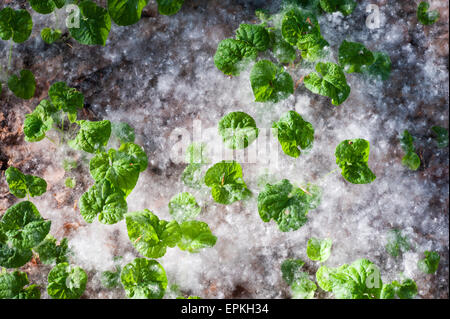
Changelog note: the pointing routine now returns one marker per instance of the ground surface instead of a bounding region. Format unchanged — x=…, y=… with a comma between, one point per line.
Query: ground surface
x=159, y=75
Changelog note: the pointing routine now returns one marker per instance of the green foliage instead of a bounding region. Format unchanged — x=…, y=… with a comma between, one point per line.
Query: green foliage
x=290, y=269
x=332, y=84
x=123, y=131
x=21, y=185
x=184, y=207
x=396, y=243
x=195, y=235
x=39, y=122
x=319, y=249
x=126, y=12
x=120, y=167
x=407, y=289
x=51, y=253
x=169, y=7
x=293, y=133
x=70, y=182
x=442, y=136
x=346, y=7
x=282, y=50
x=238, y=130
x=430, y=263
x=424, y=16
x=95, y=24
x=111, y=279
x=92, y=136
x=253, y=35
x=15, y=25
x=46, y=6
x=287, y=205
x=23, y=86
x=354, y=57
x=12, y=286
x=232, y=55
x=106, y=201
x=226, y=182
x=65, y=98
x=66, y=281
x=144, y=279
x=381, y=67
x=411, y=159
x=270, y=83
x=359, y=280
x=21, y=229
x=352, y=157
x=50, y=35
x=150, y=235
x=301, y=29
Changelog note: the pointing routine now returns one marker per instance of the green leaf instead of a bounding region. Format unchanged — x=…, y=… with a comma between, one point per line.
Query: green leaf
x=332, y=84
x=137, y=155
x=15, y=25
x=405, y=290
x=238, y=130
x=319, y=249
x=287, y=205
x=195, y=235
x=92, y=136
x=346, y=7
x=388, y=291
x=50, y=35
x=300, y=28
x=233, y=55
x=150, y=235
x=104, y=200
x=70, y=182
x=359, y=280
x=20, y=184
x=352, y=157
x=144, y=279
x=430, y=263
x=253, y=35
x=66, y=282
x=111, y=279
x=193, y=176
x=354, y=57
x=126, y=12
x=123, y=131
x=293, y=133
x=196, y=153
x=290, y=270
x=46, y=6
x=38, y=122
x=12, y=286
x=169, y=7
x=183, y=207
x=311, y=5
x=411, y=159
x=270, y=83
x=21, y=228
x=303, y=288
x=283, y=51
x=23, y=87
x=381, y=67
x=95, y=24
x=424, y=16
x=226, y=182
x=442, y=136
x=396, y=243
x=51, y=253
x=66, y=98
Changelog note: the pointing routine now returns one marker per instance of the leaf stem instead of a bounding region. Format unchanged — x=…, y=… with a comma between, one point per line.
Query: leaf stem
x=10, y=54
x=50, y=139
x=329, y=173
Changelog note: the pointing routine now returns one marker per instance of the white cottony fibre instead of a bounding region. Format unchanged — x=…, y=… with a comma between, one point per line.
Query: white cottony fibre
x=159, y=75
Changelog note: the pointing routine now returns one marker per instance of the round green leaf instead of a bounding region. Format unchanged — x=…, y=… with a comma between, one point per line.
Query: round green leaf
x=50, y=35
x=354, y=56
x=238, y=130
x=66, y=282
x=183, y=207
x=20, y=184
x=232, y=55
x=169, y=7
x=319, y=249
x=15, y=24
x=144, y=279
x=91, y=136
x=195, y=235
x=126, y=12
x=23, y=86
x=352, y=157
